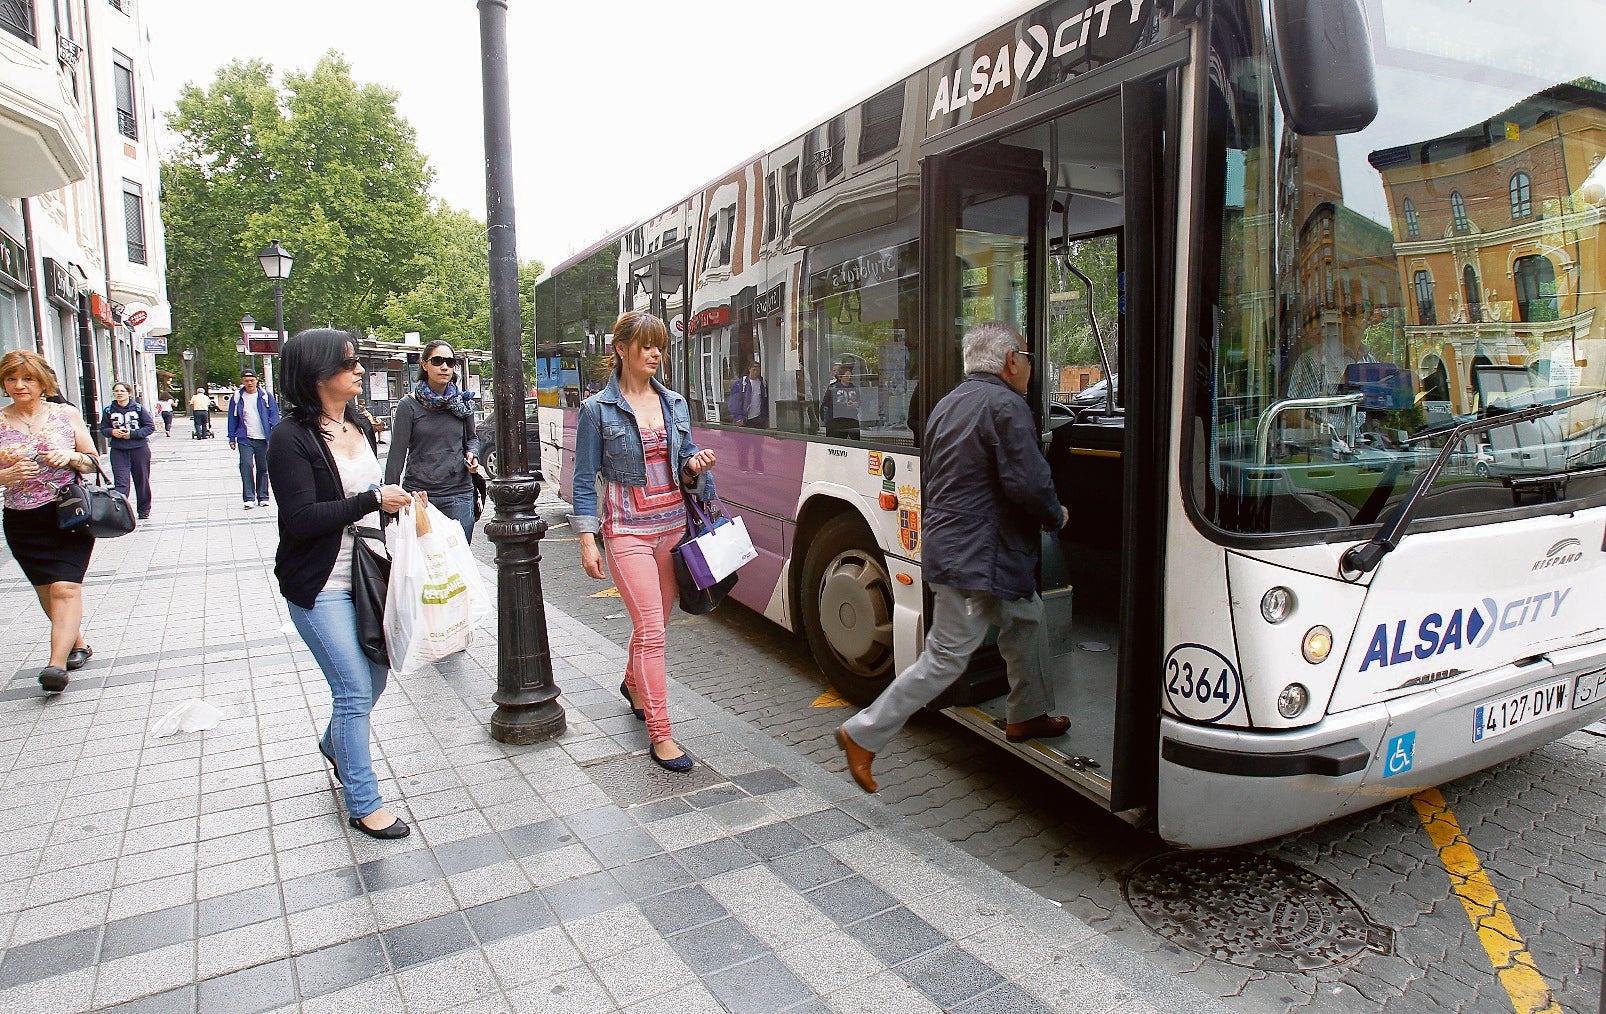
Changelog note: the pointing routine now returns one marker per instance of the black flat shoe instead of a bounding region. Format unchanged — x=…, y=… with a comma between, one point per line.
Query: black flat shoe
x=330, y=758
x=679, y=765
x=398, y=829
x=624, y=691
x=78, y=656
x=54, y=680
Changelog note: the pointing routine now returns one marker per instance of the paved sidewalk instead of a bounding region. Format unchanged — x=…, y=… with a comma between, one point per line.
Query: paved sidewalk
x=214, y=871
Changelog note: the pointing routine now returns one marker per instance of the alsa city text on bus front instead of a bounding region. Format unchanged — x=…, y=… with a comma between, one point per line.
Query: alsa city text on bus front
x=1464, y=628
x=1031, y=53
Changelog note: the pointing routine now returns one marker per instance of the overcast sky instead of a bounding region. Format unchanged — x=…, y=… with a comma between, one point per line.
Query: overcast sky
x=619, y=109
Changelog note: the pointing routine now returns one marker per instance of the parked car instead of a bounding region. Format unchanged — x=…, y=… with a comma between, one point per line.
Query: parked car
x=486, y=431
x=1092, y=397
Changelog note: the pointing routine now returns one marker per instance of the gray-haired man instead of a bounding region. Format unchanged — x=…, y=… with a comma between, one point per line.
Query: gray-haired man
x=988, y=493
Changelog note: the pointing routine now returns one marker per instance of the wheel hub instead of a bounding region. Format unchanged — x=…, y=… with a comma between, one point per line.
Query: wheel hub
x=855, y=611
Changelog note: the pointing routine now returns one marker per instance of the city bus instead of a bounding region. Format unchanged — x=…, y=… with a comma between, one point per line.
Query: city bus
x=1314, y=250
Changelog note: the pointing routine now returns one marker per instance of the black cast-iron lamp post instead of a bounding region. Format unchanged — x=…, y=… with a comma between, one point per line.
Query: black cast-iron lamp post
x=527, y=708
x=276, y=262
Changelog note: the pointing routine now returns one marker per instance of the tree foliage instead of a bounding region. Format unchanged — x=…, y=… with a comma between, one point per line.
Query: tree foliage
x=326, y=166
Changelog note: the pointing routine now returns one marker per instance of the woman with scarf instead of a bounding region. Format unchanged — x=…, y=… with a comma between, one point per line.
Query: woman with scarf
x=433, y=447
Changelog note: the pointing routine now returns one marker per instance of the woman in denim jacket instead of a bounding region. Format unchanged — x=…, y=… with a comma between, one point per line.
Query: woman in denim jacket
x=635, y=435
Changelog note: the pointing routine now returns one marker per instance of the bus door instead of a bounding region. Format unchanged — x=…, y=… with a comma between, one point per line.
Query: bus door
x=1038, y=228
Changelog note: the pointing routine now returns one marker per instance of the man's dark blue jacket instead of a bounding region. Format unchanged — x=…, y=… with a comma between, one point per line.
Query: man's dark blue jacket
x=988, y=491
x=269, y=414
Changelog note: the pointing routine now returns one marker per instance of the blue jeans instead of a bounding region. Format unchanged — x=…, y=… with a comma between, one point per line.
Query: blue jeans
x=460, y=508
x=253, y=466
x=329, y=629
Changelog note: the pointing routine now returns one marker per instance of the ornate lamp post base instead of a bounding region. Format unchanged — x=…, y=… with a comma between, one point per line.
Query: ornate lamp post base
x=526, y=697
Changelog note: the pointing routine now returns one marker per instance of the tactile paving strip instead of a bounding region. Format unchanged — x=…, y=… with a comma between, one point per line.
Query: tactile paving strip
x=1252, y=910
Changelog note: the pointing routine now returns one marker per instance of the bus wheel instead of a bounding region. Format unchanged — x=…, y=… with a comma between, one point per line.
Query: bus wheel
x=847, y=609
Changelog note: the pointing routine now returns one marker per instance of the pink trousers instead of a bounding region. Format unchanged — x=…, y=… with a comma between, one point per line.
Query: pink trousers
x=645, y=574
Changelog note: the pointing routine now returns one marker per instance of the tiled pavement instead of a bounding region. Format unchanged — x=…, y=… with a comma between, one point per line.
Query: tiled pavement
x=214, y=872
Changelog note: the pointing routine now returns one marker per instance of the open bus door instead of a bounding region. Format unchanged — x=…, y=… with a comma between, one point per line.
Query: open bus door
x=1001, y=219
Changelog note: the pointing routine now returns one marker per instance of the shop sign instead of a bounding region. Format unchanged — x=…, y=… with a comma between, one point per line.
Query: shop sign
x=101, y=310
x=260, y=341
x=768, y=304
x=137, y=318
x=59, y=286
x=715, y=316
x=156, y=346
x=13, y=262
x=862, y=272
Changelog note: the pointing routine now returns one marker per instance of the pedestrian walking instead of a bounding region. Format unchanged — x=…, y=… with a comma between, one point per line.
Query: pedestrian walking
x=43, y=447
x=164, y=407
x=323, y=464
x=253, y=412
x=433, y=446
x=635, y=434
x=127, y=425
x=201, y=414
x=988, y=495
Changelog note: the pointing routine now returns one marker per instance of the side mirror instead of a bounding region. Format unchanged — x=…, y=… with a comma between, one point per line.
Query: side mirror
x=1323, y=65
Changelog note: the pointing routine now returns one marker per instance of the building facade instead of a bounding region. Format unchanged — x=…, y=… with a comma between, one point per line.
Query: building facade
x=82, y=258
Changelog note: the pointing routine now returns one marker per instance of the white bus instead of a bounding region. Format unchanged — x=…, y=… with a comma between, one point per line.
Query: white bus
x=1297, y=233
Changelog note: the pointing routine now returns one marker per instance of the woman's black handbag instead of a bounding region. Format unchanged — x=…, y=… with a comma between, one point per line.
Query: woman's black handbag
x=370, y=578
x=99, y=512
x=695, y=600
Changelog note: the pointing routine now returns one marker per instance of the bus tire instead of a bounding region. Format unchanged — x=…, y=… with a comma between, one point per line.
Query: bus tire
x=847, y=609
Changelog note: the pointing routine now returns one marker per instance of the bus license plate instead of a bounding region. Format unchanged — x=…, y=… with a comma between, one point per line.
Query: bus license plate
x=1501, y=715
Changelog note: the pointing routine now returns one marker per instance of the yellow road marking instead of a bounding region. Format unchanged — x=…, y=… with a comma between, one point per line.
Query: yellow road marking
x=829, y=699
x=606, y=593
x=1513, y=965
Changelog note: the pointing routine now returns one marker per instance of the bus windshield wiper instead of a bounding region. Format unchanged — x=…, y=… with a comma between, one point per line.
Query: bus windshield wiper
x=1363, y=559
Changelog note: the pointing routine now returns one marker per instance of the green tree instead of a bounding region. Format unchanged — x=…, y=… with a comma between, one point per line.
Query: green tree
x=324, y=165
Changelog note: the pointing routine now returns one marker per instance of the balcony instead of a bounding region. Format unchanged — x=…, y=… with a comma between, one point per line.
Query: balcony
x=136, y=252
x=127, y=125
x=41, y=135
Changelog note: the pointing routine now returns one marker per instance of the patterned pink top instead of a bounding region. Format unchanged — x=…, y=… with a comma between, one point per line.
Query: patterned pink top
x=19, y=445
x=645, y=510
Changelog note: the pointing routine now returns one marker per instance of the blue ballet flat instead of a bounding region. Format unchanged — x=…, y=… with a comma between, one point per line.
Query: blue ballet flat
x=679, y=765
x=624, y=691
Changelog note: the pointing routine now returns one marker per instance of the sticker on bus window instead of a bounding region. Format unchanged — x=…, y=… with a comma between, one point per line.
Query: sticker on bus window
x=1200, y=683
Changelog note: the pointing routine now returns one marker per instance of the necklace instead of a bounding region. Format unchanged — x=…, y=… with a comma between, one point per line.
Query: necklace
x=31, y=422
x=337, y=422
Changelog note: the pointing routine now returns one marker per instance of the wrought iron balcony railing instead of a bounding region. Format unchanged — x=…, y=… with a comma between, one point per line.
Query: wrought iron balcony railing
x=136, y=252
x=127, y=125
x=16, y=17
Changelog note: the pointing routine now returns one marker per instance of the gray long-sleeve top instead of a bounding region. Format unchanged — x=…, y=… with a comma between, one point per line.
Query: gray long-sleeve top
x=427, y=448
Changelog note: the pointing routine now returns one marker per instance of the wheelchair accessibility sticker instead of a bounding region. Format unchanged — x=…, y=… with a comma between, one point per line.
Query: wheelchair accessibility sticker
x=1401, y=754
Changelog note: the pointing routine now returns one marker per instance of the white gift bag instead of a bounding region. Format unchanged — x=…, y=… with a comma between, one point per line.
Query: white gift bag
x=718, y=552
x=436, y=597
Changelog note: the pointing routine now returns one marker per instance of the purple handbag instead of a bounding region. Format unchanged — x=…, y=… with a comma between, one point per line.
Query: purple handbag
x=695, y=598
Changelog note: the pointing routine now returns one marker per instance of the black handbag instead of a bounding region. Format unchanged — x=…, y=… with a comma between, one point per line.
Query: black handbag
x=370, y=579
x=695, y=600
x=99, y=512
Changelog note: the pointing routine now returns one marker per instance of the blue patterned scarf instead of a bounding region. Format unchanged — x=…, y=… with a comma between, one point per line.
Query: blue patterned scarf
x=451, y=399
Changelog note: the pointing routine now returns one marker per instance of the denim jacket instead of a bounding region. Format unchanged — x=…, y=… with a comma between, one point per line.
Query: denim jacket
x=608, y=441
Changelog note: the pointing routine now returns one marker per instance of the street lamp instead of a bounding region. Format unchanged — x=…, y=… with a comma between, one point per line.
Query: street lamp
x=527, y=708
x=188, y=355
x=276, y=262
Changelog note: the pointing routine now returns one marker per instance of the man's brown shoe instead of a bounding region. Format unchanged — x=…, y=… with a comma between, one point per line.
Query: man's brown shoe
x=858, y=760
x=1041, y=727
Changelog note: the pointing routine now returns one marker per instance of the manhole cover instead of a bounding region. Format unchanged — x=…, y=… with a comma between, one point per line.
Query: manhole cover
x=632, y=779
x=1252, y=910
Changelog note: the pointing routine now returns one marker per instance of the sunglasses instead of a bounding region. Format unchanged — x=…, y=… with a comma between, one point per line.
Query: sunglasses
x=350, y=363
x=442, y=361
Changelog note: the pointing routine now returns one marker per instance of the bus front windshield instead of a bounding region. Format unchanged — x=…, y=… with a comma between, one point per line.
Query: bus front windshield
x=1376, y=289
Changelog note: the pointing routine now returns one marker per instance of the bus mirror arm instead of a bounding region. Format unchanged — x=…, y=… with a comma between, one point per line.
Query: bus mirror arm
x=1267, y=418
x=1366, y=557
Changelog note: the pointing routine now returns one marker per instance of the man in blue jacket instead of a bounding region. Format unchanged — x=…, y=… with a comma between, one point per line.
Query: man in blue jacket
x=252, y=415
x=988, y=495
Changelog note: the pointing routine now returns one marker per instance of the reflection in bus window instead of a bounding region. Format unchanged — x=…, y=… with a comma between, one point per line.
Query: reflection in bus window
x=1346, y=340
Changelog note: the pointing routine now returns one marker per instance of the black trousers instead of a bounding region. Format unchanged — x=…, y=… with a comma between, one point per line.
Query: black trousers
x=132, y=466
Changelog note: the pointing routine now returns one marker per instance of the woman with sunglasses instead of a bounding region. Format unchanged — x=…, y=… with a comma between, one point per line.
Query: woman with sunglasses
x=433, y=446
x=322, y=466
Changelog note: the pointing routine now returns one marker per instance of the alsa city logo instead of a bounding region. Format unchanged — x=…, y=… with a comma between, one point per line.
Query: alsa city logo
x=990, y=72
x=1562, y=553
x=1471, y=627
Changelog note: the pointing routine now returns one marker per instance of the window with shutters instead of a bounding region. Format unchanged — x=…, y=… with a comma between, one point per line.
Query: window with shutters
x=134, y=221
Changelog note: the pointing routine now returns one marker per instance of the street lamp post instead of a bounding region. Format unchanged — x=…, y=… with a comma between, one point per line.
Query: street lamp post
x=276, y=262
x=188, y=355
x=526, y=696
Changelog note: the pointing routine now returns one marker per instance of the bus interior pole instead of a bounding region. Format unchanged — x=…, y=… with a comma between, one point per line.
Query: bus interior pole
x=527, y=708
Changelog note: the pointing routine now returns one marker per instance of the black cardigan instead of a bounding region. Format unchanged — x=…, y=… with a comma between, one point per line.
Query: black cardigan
x=313, y=508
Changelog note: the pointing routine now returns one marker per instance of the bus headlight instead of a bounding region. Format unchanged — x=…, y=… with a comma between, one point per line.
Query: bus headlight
x=1318, y=644
x=1291, y=702
x=1276, y=604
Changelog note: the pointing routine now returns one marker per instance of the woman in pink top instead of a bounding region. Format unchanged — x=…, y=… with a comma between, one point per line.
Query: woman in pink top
x=43, y=447
x=633, y=438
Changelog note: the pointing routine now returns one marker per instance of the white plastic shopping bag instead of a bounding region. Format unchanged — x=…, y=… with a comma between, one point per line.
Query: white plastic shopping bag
x=436, y=596
x=194, y=715
x=719, y=552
